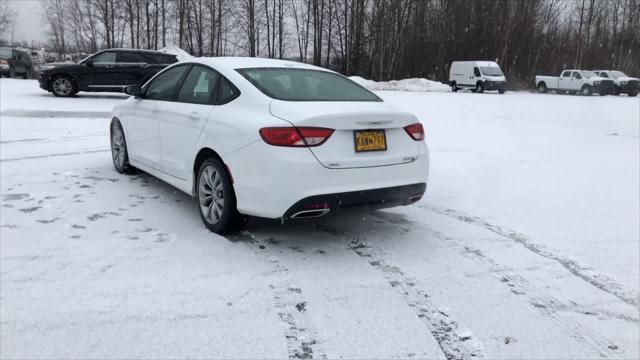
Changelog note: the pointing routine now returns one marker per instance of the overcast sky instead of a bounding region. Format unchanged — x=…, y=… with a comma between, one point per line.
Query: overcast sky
x=29, y=26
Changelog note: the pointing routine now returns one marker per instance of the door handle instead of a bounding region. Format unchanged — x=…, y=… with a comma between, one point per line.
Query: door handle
x=194, y=115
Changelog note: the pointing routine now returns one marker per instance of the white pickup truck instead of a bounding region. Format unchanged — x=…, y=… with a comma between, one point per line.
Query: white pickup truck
x=623, y=83
x=575, y=81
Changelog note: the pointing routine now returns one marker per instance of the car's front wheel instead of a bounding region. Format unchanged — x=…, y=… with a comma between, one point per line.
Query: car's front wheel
x=63, y=86
x=216, y=198
x=479, y=88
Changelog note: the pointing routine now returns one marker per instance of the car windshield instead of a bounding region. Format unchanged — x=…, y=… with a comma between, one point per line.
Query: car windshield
x=588, y=74
x=5, y=53
x=306, y=85
x=491, y=71
x=85, y=59
x=617, y=74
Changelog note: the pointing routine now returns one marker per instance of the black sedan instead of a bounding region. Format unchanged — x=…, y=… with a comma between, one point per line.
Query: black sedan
x=108, y=70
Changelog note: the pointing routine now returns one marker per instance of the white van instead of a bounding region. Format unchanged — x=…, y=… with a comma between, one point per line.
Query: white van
x=477, y=76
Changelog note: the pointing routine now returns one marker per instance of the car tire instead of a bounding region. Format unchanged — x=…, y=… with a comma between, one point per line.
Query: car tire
x=12, y=73
x=616, y=90
x=501, y=91
x=586, y=90
x=454, y=87
x=479, y=88
x=119, y=152
x=63, y=86
x=542, y=88
x=216, y=198
x=632, y=93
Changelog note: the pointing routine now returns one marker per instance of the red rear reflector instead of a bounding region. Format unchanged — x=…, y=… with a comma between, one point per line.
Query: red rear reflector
x=416, y=131
x=296, y=137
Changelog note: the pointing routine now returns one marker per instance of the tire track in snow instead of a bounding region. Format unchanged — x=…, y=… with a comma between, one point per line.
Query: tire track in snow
x=290, y=304
x=600, y=281
x=31, y=157
x=548, y=306
x=519, y=286
x=456, y=343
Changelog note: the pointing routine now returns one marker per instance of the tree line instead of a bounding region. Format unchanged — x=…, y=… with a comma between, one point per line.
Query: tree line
x=376, y=39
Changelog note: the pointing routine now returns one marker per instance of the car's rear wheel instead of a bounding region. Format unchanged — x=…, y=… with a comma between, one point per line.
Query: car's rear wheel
x=216, y=198
x=119, y=152
x=454, y=86
x=63, y=86
x=501, y=91
x=542, y=88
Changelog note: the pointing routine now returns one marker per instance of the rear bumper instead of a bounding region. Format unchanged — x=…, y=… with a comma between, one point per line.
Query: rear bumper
x=285, y=178
x=318, y=205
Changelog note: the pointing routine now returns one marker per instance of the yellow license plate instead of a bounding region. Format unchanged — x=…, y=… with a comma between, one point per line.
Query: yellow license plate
x=370, y=140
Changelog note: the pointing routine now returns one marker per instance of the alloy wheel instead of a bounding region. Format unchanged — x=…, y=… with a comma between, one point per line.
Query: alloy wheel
x=117, y=146
x=211, y=194
x=62, y=86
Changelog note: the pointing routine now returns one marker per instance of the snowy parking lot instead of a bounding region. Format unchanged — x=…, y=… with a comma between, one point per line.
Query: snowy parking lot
x=526, y=245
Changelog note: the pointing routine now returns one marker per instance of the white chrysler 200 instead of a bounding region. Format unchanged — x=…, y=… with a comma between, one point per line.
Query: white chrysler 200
x=269, y=138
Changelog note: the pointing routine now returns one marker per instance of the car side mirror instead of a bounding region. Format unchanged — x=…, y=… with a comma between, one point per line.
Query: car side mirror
x=133, y=90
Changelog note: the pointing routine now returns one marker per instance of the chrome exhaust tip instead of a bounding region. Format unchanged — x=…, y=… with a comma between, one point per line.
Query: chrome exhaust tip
x=307, y=214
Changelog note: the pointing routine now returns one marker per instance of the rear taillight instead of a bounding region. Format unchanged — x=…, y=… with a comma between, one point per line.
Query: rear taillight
x=296, y=137
x=416, y=131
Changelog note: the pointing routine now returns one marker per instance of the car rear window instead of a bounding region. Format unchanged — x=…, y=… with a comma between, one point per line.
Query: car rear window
x=161, y=59
x=306, y=85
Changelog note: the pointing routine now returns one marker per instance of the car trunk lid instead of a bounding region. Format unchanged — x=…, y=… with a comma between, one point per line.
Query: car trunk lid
x=339, y=151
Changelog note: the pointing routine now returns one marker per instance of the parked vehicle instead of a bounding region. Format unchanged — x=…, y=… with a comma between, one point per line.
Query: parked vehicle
x=575, y=82
x=477, y=76
x=269, y=138
x=623, y=84
x=108, y=70
x=14, y=63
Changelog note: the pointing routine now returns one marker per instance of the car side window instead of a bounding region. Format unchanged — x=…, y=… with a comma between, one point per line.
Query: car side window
x=130, y=58
x=163, y=87
x=200, y=86
x=476, y=71
x=227, y=92
x=566, y=74
x=108, y=57
x=603, y=74
x=152, y=58
x=577, y=75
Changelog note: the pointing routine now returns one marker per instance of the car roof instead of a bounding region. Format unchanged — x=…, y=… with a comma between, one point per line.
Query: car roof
x=137, y=50
x=477, y=62
x=232, y=63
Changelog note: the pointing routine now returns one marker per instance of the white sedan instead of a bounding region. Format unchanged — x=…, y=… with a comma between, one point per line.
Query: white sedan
x=269, y=138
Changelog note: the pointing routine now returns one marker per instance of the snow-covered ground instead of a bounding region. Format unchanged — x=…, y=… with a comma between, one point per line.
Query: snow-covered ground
x=526, y=245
